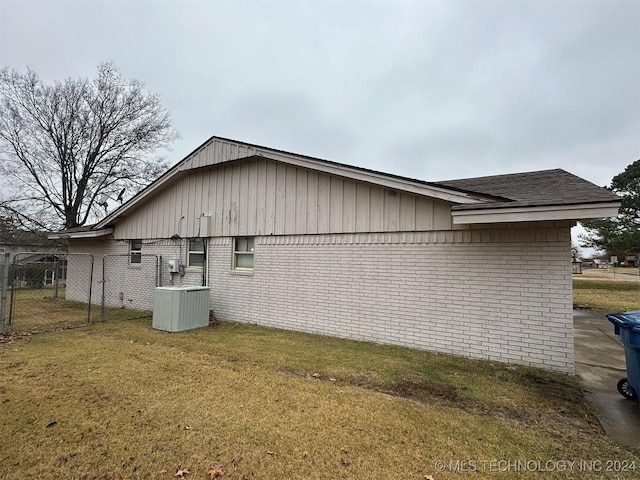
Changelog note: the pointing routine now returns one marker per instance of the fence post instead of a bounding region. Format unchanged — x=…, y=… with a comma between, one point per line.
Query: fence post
x=91, y=258
x=55, y=278
x=103, y=289
x=3, y=300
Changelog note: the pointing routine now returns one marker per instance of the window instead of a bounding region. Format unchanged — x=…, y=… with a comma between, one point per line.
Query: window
x=243, y=252
x=196, y=252
x=135, y=251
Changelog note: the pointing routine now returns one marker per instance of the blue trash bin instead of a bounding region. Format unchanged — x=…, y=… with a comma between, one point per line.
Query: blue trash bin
x=627, y=327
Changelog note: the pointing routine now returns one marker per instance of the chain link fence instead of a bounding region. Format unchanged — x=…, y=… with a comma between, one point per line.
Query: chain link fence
x=4, y=288
x=128, y=285
x=39, y=299
x=53, y=291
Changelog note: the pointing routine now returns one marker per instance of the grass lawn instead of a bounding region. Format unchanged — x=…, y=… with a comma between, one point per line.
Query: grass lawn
x=625, y=271
x=606, y=295
x=36, y=310
x=121, y=400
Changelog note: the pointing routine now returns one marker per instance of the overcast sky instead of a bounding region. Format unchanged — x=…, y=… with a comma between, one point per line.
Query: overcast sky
x=432, y=90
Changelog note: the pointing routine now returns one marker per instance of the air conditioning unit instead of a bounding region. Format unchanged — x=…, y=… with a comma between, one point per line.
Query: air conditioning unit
x=180, y=308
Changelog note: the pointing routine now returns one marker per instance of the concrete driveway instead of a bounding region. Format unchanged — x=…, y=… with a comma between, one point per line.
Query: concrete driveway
x=600, y=363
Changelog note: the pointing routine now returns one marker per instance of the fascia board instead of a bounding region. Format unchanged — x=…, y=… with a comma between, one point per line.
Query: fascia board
x=85, y=234
x=375, y=178
x=317, y=165
x=534, y=214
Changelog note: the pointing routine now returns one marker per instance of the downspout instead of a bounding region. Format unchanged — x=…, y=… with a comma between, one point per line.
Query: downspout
x=205, y=269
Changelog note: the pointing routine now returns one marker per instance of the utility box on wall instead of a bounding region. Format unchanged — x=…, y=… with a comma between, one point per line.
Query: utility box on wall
x=174, y=266
x=205, y=226
x=176, y=309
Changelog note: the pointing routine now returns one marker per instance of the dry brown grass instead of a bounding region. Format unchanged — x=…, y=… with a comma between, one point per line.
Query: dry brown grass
x=606, y=295
x=36, y=310
x=122, y=400
x=611, y=270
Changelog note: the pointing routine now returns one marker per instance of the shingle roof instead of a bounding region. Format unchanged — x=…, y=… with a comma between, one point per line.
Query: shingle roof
x=24, y=238
x=542, y=188
x=531, y=189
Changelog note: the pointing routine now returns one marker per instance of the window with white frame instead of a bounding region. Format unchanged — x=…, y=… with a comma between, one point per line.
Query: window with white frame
x=243, y=253
x=196, y=252
x=135, y=251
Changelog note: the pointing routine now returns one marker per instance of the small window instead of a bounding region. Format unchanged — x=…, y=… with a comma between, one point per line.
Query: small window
x=243, y=252
x=196, y=252
x=135, y=250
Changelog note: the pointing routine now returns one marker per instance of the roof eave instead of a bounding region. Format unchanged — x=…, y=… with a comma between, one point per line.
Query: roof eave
x=384, y=180
x=584, y=211
x=84, y=234
x=392, y=182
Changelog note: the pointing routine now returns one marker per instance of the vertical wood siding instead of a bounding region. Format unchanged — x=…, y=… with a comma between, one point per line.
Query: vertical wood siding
x=217, y=151
x=259, y=196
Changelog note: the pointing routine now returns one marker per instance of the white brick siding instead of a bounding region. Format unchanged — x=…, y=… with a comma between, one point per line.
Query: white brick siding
x=136, y=282
x=506, y=301
x=499, y=294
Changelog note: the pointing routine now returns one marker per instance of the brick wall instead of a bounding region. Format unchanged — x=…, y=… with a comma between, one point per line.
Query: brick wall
x=496, y=293
x=126, y=285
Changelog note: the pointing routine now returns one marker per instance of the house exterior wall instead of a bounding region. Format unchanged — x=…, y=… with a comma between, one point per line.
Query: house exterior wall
x=78, y=275
x=258, y=196
x=218, y=150
x=498, y=293
x=495, y=294
x=125, y=284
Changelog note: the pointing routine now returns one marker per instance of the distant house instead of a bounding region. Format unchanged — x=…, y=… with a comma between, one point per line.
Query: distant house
x=13, y=241
x=38, y=260
x=476, y=267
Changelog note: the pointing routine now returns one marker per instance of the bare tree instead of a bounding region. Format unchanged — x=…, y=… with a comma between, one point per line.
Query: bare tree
x=66, y=146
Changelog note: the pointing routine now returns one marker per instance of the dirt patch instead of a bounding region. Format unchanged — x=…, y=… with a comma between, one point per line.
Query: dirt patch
x=568, y=402
x=414, y=387
x=423, y=389
x=560, y=394
x=568, y=409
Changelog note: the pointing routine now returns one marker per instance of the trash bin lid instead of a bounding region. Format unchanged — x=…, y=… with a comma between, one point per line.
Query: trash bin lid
x=626, y=319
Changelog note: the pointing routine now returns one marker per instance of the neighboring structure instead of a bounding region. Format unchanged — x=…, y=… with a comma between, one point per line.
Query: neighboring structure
x=478, y=267
x=13, y=241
